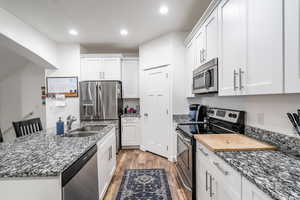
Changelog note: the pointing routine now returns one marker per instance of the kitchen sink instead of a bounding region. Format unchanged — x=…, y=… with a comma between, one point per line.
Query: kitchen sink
x=81, y=134
x=85, y=131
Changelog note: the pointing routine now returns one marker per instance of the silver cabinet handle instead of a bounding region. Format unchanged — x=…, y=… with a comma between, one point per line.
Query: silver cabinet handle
x=206, y=178
x=240, y=78
x=210, y=186
x=146, y=114
x=202, y=151
x=204, y=55
x=201, y=56
x=221, y=169
x=234, y=79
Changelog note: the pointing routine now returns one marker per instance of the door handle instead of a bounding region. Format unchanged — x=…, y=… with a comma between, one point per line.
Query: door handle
x=240, y=78
x=234, y=79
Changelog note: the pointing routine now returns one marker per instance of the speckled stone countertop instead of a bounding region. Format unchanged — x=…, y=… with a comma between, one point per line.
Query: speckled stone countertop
x=277, y=173
x=138, y=115
x=274, y=172
x=44, y=154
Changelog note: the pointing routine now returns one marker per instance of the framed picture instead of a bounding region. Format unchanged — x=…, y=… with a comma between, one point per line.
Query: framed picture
x=62, y=85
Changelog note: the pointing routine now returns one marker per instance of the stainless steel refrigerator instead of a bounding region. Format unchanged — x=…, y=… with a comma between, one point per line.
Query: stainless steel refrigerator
x=101, y=103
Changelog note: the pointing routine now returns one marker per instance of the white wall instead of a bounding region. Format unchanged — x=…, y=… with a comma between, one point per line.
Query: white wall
x=27, y=37
x=68, y=60
x=265, y=111
x=20, y=94
x=180, y=105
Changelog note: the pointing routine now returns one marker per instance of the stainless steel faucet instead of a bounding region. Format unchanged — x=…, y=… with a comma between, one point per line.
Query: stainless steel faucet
x=70, y=120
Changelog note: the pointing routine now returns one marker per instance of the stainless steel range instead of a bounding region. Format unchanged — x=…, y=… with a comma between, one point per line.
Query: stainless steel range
x=218, y=121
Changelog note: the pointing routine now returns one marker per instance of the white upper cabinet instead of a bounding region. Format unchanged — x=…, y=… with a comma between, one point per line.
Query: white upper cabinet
x=211, y=36
x=130, y=78
x=251, y=57
x=189, y=66
x=232, y=26
x=292, y=46
x=112, y=68
x=90, y=69
x=264, y=68
x=97, y=68
x=200, y=47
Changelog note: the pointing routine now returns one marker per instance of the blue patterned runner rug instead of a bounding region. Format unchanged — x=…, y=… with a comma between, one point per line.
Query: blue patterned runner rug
x=144, y=184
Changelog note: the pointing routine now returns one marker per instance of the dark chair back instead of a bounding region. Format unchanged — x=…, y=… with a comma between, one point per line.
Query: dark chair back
x=27, y=127
x=1, y=138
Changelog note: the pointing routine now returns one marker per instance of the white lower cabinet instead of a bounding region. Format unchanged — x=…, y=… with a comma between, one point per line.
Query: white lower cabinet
x=130, y=131
x=106, y=161
x=216, y=180
x=251, y=192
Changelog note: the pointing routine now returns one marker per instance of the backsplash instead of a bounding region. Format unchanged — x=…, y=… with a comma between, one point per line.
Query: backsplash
x=132, y=103
x=287, y=144
x=262, y=111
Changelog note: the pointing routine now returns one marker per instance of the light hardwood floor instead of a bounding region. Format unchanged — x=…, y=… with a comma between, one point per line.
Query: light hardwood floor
x=136, y=159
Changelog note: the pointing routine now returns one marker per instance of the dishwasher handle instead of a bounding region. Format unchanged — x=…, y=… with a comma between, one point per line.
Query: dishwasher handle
x=72, y=170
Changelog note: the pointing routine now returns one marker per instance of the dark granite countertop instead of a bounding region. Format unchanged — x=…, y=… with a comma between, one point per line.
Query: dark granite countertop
x=44, y=154
x=274, y=172
x=180, y=118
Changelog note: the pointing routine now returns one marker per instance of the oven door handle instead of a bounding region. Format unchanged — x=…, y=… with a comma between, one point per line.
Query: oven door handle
x=184, y=185
x=186, y=141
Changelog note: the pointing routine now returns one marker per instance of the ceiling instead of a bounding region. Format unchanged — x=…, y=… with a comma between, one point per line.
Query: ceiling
x=10, y=62
x=99, y=21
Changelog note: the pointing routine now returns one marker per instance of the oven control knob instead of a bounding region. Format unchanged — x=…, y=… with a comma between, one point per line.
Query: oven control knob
x=232, y=115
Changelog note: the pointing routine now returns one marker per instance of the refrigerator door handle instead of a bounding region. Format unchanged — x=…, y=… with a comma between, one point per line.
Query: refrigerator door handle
x=100, y=104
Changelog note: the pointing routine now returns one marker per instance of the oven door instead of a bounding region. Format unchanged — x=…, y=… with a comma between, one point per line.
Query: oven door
x=184, y=164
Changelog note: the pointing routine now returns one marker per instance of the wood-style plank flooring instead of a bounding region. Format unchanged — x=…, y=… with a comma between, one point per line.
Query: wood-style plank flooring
x=136, y=159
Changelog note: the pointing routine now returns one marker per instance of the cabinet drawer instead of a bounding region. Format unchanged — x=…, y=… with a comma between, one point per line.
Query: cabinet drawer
x=130, y=120
x=203, y=150
x=228, y=176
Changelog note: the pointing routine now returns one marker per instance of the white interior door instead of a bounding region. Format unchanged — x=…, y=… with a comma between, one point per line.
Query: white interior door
x=156, y=111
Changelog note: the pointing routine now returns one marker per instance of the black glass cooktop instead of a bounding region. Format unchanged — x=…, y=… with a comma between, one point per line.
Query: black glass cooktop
x=193, y=128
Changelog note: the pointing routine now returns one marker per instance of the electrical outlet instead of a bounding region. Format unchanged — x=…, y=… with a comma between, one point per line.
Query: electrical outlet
x=261, y=118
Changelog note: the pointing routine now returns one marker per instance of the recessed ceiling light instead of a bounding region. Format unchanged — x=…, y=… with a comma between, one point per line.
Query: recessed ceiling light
x=73, y=32
x=164, y=10
x=124, y=32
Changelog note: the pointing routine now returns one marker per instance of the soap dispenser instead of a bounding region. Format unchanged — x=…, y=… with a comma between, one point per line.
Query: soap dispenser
x=60, y=129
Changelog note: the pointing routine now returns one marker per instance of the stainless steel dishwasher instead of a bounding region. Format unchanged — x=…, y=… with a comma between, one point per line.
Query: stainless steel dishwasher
x=80, y=180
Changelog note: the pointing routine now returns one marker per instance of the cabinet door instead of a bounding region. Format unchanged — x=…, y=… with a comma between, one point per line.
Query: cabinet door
x=129, y=135
x=189, y=64
x=203, y=176
x=112, y=68
x=251, y=192
x=90, y=69
x=200, y=47
x=292, y=46
x=130, y=77
x=211, y=33
x=232, y=35
x=264, y=69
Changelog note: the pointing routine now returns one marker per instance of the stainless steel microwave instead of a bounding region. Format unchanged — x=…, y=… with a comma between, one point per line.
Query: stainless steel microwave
x=205, y=78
